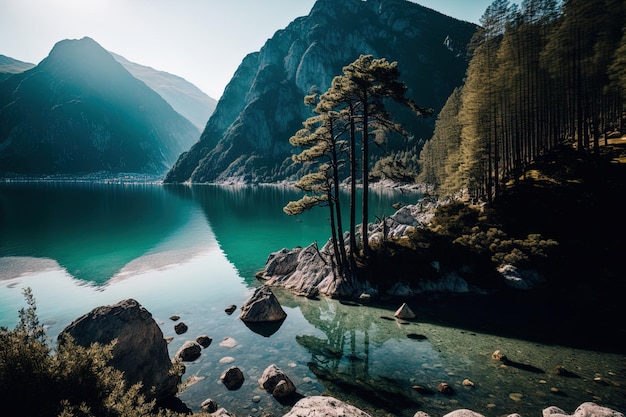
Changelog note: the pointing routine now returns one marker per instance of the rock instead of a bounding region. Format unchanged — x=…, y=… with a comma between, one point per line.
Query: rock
x=228, y=342
x=365, y=298
x=227, y=359
x=400, y=289
x=520, y=279
x=416, y=336
x=516, y=396
x=189, y=351
x=209, y=406
x=306, y=272
x=276, y=382
x=174, y=317
x=560, y=370
x=140, y=352
x=232, y=378
x=321, y=406
x=262, y=306
x=180, y=328
x=230, y=309
x=404, y=312
x=445, y=388
x=204, y=341
x=421, y=414
x=588, y=409
x=468, y=383
x=222, y=412
x=463, y=413
x=499, y=356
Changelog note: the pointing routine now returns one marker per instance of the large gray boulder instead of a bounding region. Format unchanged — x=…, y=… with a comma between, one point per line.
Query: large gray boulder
x=262, y=306
x=140, y=352
x=319, y=406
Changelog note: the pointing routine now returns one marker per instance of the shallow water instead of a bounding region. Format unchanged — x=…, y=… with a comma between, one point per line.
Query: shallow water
x=192, y=251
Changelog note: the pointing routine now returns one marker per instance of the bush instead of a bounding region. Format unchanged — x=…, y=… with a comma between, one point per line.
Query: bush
x=72, y=381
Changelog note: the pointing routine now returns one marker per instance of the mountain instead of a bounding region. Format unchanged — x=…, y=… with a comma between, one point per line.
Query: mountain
x=81, y=111
x=10, y=66
x=183, y=96
x=246, y=138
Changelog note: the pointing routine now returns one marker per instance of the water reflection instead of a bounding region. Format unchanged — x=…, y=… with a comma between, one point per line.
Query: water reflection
x=92, y=230
x=249, y=223
x=366, y=357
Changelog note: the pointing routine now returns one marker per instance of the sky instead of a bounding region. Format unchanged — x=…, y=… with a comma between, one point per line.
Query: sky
x=203, y=41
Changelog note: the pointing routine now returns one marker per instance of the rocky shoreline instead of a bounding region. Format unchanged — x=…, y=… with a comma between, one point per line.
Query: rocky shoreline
x=141, y=348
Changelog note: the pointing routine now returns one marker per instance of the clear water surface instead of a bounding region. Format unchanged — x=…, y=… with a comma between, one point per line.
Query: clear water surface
x=193, y=250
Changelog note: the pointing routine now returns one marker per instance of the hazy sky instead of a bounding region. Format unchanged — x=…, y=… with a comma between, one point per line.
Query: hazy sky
x=202, y=41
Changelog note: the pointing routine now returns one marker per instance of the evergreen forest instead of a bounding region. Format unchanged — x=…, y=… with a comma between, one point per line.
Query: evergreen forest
x=542, y=76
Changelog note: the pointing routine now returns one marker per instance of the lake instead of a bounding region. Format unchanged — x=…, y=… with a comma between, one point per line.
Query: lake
x=193, y=250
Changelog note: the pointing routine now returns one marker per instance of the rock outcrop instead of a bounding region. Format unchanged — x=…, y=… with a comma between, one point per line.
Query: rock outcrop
x=140, y=352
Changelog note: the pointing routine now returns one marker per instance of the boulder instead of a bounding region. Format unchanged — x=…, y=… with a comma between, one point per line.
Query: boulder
x=209, y=406
x=321, y=406
x=189, y=351
x=588, y=409
x=404, y=312
x=276, y=382
x=232, y=378
x=180, y=328
x=204, y=341
x=262, y=306
x=140, y=352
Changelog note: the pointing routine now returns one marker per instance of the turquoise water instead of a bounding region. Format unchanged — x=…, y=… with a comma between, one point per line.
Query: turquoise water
x=192, y=251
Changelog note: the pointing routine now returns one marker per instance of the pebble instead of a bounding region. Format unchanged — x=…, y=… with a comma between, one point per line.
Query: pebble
x=468, y=383
x=256, y=399
x=227, y=359
x=228, y=342
x=515, y=396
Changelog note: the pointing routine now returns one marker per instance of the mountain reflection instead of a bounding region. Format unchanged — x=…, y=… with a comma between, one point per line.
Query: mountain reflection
x=249, y=223
x=92, y=230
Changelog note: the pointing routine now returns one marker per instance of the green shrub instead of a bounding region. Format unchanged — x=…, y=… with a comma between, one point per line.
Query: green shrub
x=71, y=381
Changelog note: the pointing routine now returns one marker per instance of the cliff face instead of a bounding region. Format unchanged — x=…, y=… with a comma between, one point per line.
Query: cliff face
x=80, y=111
x=246, y=139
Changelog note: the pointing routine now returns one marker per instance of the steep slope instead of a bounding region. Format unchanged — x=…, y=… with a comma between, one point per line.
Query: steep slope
x=183, y=96
x=80, y=111
x=246, y=139
x=10, y=66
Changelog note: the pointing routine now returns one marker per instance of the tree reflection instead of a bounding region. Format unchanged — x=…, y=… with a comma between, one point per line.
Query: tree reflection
x=341, y=361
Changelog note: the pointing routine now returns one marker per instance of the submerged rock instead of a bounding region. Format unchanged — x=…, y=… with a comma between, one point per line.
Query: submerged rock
x=140, y=352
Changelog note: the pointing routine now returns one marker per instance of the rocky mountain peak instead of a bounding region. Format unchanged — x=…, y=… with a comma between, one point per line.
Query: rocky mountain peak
x=246, y=139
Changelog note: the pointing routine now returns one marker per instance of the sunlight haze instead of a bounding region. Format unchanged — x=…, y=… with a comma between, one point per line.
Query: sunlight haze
x=203, y=41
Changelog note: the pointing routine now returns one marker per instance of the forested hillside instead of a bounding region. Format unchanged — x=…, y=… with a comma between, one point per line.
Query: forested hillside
x=542, y=76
